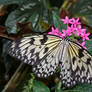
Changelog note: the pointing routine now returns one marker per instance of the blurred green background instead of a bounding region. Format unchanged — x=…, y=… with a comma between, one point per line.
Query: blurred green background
x=19, y=18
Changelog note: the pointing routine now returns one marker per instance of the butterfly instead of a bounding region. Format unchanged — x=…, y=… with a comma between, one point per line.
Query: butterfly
x=46, y=52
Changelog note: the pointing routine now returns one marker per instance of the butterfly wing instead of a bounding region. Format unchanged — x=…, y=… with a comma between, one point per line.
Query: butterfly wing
x=45, y=52
x=42, y=52
x=76, y=65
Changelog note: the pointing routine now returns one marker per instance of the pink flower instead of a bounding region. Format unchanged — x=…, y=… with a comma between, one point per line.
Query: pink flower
x=55, y=32
x=82, y=44
x=66, y=20
x=75, y=22
x=72, y=29
x=69, y=32
x=60, y=34
x=64, y=32
x=85, y=36
x=80, y=30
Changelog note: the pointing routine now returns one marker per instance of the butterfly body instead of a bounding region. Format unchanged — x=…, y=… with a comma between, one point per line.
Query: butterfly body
x=46, y=52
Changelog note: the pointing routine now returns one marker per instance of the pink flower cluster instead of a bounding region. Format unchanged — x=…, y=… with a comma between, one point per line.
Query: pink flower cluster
x=73, y=27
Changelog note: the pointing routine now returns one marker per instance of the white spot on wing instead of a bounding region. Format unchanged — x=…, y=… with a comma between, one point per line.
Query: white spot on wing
x=25, y=46
x=25, y=42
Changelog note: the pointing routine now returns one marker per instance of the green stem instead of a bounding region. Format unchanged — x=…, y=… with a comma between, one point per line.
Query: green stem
x=64, y=5
x=59, y=86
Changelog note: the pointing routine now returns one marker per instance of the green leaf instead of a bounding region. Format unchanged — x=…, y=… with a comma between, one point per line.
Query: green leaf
x=29, y=86
x=89, y=45
x=77, y=88
x=32, y=11
x=19, y=2
x=57, y=22
x=80, y=88
x=58, y=87
x=83, y=8
x=11, y=1
x=40, y=87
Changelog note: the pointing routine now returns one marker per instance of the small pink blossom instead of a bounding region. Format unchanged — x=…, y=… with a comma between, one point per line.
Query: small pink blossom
x=82, y=44
x=52, y=31
x=64, y=32
x=55, y=32
x=80, y=30
x=85, y=36
x=69, y=32
x=60, y=34
x=72, y=29
x=75, y=22
x=66, y=20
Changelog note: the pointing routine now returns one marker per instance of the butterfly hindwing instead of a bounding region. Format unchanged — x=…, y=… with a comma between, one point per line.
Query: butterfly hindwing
x=76, y=65
x=81, y=64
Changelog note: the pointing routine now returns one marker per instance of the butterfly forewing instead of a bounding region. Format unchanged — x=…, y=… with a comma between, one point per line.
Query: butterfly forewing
x=42, y=52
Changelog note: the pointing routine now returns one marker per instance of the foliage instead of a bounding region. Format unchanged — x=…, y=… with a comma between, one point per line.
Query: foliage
x=25, y=17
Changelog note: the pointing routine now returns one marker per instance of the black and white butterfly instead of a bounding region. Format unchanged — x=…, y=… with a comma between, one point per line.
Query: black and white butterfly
x=46, y=52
